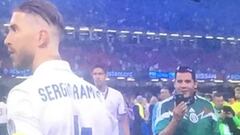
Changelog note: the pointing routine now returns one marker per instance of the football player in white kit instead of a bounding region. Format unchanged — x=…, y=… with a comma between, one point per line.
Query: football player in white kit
x=53, y=101
x=114, y=100
x=3, y=118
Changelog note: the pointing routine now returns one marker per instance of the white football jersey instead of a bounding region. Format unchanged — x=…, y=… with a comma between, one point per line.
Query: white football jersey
x=54, y=101
x=115, y=104
x=3, y=113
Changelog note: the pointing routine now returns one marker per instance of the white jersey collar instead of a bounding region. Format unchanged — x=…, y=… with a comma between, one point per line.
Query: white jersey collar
x=53, y=65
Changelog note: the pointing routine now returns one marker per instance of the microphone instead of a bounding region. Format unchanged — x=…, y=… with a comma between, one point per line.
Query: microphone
x=179, y=97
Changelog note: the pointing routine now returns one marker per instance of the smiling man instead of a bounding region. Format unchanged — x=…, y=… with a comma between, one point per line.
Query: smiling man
x=114, y=100
x=185, y=113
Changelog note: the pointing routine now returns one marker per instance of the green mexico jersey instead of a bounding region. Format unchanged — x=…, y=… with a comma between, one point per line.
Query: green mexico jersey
x=198, y=120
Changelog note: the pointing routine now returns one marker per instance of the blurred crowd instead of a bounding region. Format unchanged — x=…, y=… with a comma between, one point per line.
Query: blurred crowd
x=227, y=110
x=223, y=60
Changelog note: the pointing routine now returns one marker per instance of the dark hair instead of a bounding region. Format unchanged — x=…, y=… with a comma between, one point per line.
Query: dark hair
x=100, y=66
x=218, y=94
x=46, y=10
x=228, y=109
x=167, y=88
x=185, y=69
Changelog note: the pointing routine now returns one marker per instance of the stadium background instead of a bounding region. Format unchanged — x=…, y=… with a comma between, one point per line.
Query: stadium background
x=141, y=42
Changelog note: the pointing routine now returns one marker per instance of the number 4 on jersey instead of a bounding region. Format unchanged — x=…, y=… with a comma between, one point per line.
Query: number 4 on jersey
x=84, y=130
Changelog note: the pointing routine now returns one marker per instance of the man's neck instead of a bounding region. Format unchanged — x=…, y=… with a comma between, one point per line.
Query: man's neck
x=102, y=88
x=39, y=60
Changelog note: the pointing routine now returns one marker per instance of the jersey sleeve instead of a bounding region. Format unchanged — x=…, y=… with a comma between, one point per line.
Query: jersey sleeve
x=236, y=121
x=21, y=118
x=122, y=107
x=3, y=113
x=160, y=119
x=214, y=119
x=154, y=117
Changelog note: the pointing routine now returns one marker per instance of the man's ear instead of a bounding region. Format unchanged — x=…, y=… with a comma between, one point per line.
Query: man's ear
x=195, y=84
x=43, y=38
x=174, y=83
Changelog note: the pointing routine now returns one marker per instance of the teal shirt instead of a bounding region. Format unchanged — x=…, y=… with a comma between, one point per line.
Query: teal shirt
x=198, y=120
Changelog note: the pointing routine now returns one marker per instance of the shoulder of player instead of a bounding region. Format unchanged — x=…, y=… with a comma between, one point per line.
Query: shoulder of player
x=168, y=100
x=24, y=86
x=114, y=90
x=82, y=81
x=203, y=100
x=165, y=102
x=20, y=92
x=163, y=109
